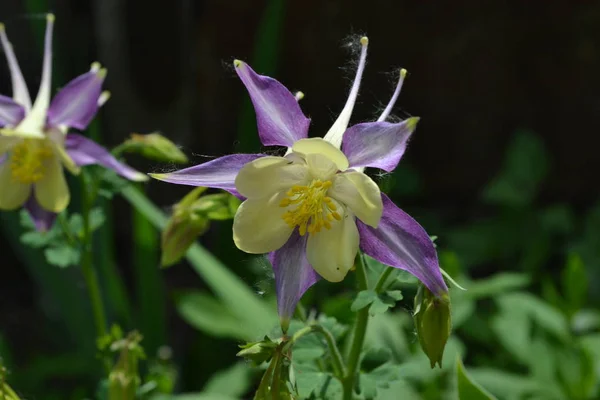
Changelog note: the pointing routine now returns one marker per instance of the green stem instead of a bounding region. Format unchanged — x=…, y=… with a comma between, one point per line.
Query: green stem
x=360, y=329
x=87, y=267
x=339, y=368
x=380, y=286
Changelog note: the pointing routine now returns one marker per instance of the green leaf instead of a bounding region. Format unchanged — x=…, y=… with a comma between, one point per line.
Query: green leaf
x=385, y=301
x=524, y=168
x=575, y=282
x=308, y=382
x=467, y=388
x=37, y=240
x=497, y=284
x=258, y=315
x=363, y=299
x=235, y=381
x=62, y=255
x=205, y=313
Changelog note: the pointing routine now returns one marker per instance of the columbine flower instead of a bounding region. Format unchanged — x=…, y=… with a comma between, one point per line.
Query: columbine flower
x=34, y=143
x=313, y=208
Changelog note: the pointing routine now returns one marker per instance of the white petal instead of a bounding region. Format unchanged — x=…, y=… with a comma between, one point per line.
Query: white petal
x=320, y=146
x=258, y=226
x=266, y=176
x=361, y=194
x=331, y=252
x=42, y=101
x=13, y=194
x=19, y=87
x=52, y=191
x=336, y=132
x=390, y=105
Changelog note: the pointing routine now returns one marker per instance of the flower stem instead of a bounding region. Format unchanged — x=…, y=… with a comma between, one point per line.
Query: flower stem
x=360, y=329
x=87, y=267
x=380, y=286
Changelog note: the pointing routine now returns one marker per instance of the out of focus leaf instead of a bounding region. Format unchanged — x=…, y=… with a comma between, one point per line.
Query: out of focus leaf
x=468, y=389
x=63, y=255
x=524, y=168
x=497, y=284
x=235, y=381
x=205, y=313
x=575, y=284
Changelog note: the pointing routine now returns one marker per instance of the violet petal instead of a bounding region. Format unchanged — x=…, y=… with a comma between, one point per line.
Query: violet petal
x=400, y=242
x=86, y=152
x=279, y=117
x=11, y=112
x=42, y=219
x=377, y=144
x=293, y=275
x=77, y=103
x=219, y=173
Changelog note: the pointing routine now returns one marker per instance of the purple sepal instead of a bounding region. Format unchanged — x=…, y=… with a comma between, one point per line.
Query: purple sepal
x=11, y=112
x=219, y=173
x=279, y=117
x=77, y=103
x=377, y=144
x=293, y=275
x=42, y=219
x=85, y=152
x=400, y=242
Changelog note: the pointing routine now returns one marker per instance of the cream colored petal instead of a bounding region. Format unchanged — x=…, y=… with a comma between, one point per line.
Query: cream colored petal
x=361, y=194
x=266, y=176
x=52, y=191
x=258, y=226
x=320, y=146
x=321, y=166
x=331, y=252
x=66, y=160
x=13, y=194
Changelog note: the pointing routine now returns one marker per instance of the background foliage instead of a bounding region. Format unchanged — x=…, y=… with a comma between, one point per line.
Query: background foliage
x=500, y=170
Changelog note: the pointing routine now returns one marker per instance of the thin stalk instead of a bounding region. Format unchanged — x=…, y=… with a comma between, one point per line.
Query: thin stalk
x=360, y=329
x=87, y=267
x=380, y=286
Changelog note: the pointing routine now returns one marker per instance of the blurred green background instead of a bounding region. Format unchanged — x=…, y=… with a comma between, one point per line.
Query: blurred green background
x=501, y=169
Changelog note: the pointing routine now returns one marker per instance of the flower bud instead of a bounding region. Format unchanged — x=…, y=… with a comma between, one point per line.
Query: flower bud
x=183, y=228
x=155, y=147
x=259, y=352
x=433, y=322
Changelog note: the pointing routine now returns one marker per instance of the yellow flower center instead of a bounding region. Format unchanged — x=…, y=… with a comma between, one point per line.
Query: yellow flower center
x=27, y=160
x=313, y=208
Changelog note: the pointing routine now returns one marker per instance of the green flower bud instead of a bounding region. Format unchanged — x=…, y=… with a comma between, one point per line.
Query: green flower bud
x=124, y=379
x=259, y=352
x=183, y=228
x=433, y=322
x=155, y=147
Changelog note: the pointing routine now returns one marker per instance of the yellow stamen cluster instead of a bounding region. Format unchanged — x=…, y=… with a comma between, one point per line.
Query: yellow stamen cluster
x=311, y=208
x=27, y=160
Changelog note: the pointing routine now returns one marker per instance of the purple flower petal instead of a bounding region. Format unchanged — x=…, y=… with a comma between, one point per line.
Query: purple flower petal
x=279, y=117
x=42, y=219
x=219, y=173
x=399, y=241
x=85, y=152
x=11, y=112
x=293, y=275
x=77, y=103
x=377, y=144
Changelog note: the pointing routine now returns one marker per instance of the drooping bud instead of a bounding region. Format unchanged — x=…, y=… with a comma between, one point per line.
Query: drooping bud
x=155, y=147
x=191, y=218
x=433, y=323
x=182, y=229
x=6, y=393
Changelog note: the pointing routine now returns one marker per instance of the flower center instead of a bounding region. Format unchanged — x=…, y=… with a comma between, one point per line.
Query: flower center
x=27, y=160
x=313, y=208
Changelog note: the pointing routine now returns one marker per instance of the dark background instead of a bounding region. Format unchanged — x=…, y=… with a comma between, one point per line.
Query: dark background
x=478, y=72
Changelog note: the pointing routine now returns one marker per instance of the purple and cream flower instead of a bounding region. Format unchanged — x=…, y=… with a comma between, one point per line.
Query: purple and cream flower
x=313, y=208
x=35, y=144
